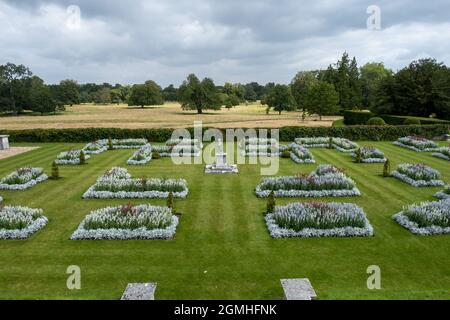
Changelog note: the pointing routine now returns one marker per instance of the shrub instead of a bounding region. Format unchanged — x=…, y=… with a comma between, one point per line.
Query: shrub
x=352, y=118
x=411, y=121
x=376, y=121
x=110, y=144
x=156, y=155
x=387, y=168
x=171, y=202
x=82, y=158
x=55, y=171
x=271, y=203
x=285, y=154
x=358, y=156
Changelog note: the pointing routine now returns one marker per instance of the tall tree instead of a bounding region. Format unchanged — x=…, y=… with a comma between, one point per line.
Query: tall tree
x=41, y=99
x=196, y=95
x=13, y=78
x=170, y=93
x=344, y=75
x=148, y=94
x=301, y=84
x=372, y=76
x=69, y=92
x=421, y=89
x=103, y=96
x=280, y=98
x=322, y=99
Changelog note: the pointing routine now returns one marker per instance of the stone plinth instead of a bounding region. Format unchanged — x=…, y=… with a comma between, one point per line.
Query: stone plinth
x=221, y=168
x=4, y=142
x=139, y=291
x=298, y=289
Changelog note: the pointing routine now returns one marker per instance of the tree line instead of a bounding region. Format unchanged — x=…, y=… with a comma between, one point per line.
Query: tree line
x=420, y=89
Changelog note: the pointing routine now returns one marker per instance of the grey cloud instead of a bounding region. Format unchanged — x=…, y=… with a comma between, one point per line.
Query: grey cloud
x=131, y=41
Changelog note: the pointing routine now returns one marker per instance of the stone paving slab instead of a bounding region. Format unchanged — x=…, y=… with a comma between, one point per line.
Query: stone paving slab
x=15, y=151
x=298, y=289
x=139, y=291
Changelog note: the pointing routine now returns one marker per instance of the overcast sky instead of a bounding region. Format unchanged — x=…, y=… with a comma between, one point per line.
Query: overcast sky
x=121, y=41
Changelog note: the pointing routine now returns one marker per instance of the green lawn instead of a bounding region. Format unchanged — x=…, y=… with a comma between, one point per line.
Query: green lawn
x=222, y=249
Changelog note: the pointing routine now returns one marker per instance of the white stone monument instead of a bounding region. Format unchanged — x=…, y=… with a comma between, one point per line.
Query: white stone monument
x=4, y=142
x=221, y=166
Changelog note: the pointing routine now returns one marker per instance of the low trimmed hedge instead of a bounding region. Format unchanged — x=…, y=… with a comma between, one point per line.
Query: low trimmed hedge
x=352, y=117
x=374, y=133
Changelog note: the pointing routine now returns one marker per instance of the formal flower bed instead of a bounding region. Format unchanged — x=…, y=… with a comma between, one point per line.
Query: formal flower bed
x=300, y=154
x=128, y=222
x=444, y=194
x=118, y=183
x=259, y=147
x=418, y=175
x=344, y=145
x=20, y=222
x=96, y=147
x=184, y=142
x=443, y=153
x=416, y=143
x=314, y=142
x=23, y=178
x=318, y=219
x=128, y=143
x=369, y=155
x=428, y=218
x=325, y=181
x=141, y=156
x=70, y=157
x=179, y=148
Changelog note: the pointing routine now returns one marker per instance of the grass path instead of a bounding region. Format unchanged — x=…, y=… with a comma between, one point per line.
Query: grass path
x=222, y=249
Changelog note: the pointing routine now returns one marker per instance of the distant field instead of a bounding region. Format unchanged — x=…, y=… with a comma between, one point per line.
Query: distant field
x=169, y=115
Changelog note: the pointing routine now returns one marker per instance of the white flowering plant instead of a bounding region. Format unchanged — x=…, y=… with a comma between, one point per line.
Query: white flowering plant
x=369, y=154
x=340, y=144
x=444, y=194
x=23, y=178
x=318, y=219
x=179, y=148
x=418, y=175
x=128, y=222
x=325, y=181
x=417, y=143
x=443, y=153
x=71, y=157
x=428, y=218
x=314, y=142
x=118, y=183
x=1, y=199
x=96, y=147
x=141, y=156
x=300, y=154
x=128, y=143
x=263, y=147
x=20, y=222
x=344, y=145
